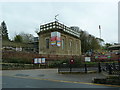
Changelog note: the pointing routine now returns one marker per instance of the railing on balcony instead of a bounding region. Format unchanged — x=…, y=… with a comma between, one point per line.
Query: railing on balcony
x=59, y=26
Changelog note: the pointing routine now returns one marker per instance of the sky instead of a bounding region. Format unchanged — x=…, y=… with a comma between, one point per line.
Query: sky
x=28, y=16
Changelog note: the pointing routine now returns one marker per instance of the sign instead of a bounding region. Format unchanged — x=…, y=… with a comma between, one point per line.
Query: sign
x=71, y=61
x=43, y=60
x=87, y=59
x=58, y=43
x=39, y=60
x=103, y=57
x=56, y=38
x=35, y=61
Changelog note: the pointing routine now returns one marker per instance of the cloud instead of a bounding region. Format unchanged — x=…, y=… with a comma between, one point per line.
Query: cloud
x=87, y=15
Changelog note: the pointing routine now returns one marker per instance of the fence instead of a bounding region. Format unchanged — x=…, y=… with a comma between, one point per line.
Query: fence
x=85, y=68
x=110, y=68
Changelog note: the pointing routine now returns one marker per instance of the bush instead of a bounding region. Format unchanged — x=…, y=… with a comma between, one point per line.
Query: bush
x=18, y=57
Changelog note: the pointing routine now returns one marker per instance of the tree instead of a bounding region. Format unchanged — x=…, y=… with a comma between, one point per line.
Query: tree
x=3, y=28
x=0, y=32
x=27, y=37
x=89, y=42
x=18, y=38
x=83, y=38
x=107, y=45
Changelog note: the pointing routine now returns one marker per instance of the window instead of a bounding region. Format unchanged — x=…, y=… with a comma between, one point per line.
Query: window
x=76, y=46
x=62, y=43
x=70, y=43
x=47, y=43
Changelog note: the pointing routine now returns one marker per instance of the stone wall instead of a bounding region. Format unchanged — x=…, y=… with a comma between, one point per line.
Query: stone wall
x=67, y=49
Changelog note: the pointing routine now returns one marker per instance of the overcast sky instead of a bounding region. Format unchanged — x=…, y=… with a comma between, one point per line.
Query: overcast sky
x=27, y=16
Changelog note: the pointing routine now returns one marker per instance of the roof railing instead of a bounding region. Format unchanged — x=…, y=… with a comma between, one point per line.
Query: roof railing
x=57, y=25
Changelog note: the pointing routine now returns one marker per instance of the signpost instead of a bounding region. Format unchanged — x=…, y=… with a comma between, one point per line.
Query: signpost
x=43, y=60
x=72, y=61
x=39, y=61
x=87, y=59
x=35, y=61
x=71, y=64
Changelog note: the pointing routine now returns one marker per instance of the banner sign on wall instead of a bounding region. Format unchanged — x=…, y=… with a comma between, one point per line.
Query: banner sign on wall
x=55, y=38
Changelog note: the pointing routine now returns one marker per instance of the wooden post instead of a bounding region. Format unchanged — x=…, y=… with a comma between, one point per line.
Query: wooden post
x=39, y=65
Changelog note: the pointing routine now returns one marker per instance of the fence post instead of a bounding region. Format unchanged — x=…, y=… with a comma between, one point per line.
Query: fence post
x=58, y=68
x=119, y=65
x=70, y=68
x=85, y=68
x=110, y=69
x=114, y=66
x=107, y=67
x=99, y=67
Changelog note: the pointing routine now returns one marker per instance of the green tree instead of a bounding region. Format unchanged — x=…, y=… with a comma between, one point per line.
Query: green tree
x=106, y=46
x=18, y=38
x=83, y=38
x=27, y=37
x=4, y=30
x=89, y=42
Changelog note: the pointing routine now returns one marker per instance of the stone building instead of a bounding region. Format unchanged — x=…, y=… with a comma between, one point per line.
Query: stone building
x=66, y=42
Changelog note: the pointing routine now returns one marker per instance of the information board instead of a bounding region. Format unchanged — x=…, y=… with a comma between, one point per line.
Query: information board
x=87, y=59
x=39, y=60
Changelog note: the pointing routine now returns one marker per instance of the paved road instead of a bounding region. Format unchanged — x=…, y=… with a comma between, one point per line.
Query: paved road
x=52, y=74
x=48, y=78
x=20, y=82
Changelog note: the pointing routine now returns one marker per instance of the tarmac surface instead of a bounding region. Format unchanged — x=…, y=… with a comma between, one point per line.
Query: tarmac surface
x=49, y=78
x=53, y=74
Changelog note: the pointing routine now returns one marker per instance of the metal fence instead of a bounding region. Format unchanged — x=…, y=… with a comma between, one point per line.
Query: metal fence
x=109, y=68
x=77, y=68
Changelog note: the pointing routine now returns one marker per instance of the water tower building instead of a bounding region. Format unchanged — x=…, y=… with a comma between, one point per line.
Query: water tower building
x=57, y=39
